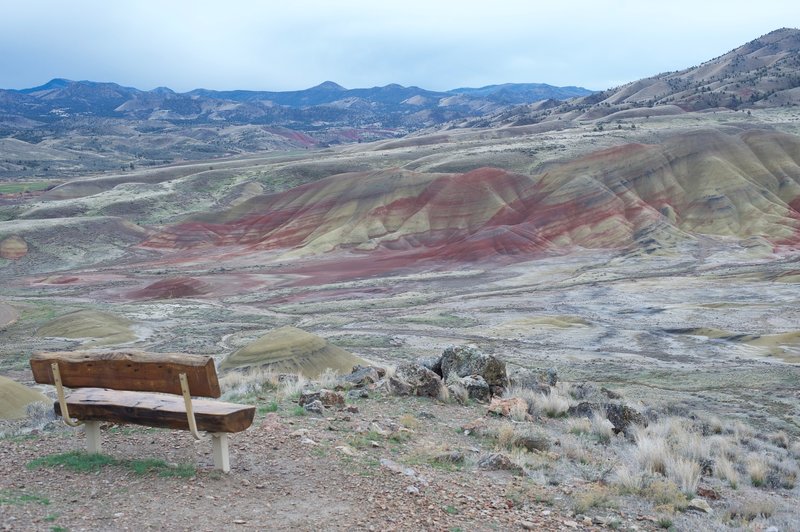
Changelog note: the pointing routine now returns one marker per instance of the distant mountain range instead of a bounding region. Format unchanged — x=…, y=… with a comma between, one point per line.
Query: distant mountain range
x=71, y=103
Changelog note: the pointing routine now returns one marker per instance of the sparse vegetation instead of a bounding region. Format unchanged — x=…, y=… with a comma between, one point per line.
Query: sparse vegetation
x=86, y=463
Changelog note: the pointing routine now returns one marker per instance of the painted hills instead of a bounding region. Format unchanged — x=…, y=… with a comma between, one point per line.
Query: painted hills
x=674, y=173
x=632, y=196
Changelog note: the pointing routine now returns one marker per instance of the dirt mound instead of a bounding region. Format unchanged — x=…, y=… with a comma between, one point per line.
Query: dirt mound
x=99, y=328
x=292, y=350
x=15, y=398
x=172, y=288
x=8, y=315
x=13, y=247
x=61, y=243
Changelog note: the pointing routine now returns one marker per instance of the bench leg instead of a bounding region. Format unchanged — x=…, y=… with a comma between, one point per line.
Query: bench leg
x=219, y=444
x=92, y=436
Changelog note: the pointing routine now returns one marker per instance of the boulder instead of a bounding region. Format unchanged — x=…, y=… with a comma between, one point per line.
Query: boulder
x=432, y=363
x=422, y=381
x=497, y=462
x=397, y=386
x=622, y=417
x=361, y=376
x=358, y=393
x=464, y=361
x=325, y=397
x=530, y=380
x=314, y=407
x=584, y=409
x=699, y=505
x=532, y=442
x=477, y=388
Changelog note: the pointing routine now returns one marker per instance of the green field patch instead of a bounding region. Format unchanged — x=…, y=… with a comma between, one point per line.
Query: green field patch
x=25, y=186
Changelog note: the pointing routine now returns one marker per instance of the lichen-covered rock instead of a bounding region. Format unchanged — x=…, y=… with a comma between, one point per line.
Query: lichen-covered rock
x=622, y=417
x=530, y=379
x=361, y=376
x=314, y=407
x=498, y=462
x=423, y=382
x=477, y=388
x=466, y=360
x=532, y=442
x=325, y=397
x=432, y=363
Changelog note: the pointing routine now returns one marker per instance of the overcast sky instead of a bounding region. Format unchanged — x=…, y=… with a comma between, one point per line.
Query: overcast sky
x=435, y=44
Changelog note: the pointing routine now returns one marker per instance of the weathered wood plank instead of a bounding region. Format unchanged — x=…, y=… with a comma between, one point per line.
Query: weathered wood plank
x=152, y=410
x=129, y=370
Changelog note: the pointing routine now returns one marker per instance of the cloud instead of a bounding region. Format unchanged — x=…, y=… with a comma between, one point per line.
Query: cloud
x=433, y=44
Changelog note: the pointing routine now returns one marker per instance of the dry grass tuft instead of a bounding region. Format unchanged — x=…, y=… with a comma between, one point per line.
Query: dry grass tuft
x=409, y=421
x=292, y=387
x=506, y=436
x=519, y=412
x=725, y=470
x=554, y=404
x=652, y=454
x=684, y=473
x=721, y=447
x=780, y=439
x=750, y=509
x=757, y=469
x=794, y=449
x=628, y=482
x=580, y=425
x=602, y=428
x=328, y=378
x=454, y=392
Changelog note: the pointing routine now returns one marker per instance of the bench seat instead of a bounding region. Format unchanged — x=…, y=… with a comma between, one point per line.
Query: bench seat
x=155, y=410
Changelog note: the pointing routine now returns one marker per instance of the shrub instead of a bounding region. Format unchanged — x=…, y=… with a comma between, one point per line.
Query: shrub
x=597, y=497
x=665, y=492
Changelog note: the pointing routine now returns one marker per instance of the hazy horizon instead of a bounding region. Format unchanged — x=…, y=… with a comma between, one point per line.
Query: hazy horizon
x=436, y=46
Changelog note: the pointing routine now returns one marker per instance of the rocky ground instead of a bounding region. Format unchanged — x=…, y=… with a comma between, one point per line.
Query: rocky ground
x=420, y=447
x=289, y=472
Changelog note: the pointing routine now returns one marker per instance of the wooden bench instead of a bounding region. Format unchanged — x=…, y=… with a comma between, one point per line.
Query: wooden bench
x=150, y=389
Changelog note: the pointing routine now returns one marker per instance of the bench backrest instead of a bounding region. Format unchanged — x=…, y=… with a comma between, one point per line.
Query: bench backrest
x=129, y=370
